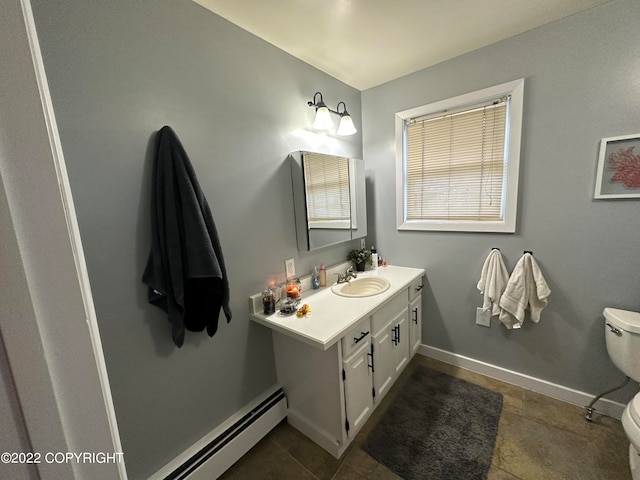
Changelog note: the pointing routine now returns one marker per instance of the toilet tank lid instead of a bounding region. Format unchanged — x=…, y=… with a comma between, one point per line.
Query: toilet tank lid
x=624, y=319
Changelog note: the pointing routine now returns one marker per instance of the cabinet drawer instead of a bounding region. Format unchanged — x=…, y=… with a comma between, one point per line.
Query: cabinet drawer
x=415, y=288
x=388, y=312
x=356, y=337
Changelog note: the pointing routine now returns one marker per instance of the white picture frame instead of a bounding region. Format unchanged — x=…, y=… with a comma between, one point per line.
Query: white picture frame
x=618, y=172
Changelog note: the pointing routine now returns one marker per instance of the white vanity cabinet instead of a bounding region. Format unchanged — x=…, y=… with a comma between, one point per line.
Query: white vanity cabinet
x=390, y=343
x=337, y=363
x=401, y=341
x=415, y=315
x=329, y=392
x=357, y=376
x=358, y=384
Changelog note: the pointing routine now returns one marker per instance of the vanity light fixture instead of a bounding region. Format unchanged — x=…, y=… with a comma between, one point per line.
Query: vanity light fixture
x=346, y=126
x=323, y=119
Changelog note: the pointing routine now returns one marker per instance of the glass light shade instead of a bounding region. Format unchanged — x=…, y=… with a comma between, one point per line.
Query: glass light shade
x=323, y=119
x=346, y=126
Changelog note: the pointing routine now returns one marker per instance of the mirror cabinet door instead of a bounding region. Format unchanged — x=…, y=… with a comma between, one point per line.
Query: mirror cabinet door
x=329, y=199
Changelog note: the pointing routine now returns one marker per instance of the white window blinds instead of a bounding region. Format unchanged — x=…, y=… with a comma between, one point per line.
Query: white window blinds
x=455, y=164
x=327, y=185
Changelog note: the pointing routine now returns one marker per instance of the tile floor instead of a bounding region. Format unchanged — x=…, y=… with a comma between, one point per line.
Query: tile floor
x=538, y=438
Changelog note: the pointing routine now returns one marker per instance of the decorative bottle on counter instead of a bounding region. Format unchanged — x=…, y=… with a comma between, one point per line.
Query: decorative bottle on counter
x=323, y=275
x=315, y=279
x=268, y=301
x=374, y=258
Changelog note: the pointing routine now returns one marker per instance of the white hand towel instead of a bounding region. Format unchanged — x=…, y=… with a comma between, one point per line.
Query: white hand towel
x=514, y=299
x=539, y=293
x=526, y=288
x=493, y=281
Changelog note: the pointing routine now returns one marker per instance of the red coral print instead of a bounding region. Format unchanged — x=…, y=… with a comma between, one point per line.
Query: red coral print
x=626, y=166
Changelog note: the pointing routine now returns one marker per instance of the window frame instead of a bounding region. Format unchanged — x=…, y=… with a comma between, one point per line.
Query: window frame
x=515, y=89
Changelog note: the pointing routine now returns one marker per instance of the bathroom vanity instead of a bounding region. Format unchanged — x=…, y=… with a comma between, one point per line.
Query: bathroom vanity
x=337, y=363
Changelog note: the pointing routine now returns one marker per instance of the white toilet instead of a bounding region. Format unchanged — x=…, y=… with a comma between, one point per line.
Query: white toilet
x=622, y=333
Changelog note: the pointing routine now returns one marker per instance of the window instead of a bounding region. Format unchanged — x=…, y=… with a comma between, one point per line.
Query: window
x=458, y=160
x=326, y=180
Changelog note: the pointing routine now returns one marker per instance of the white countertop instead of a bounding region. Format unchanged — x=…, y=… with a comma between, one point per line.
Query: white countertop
x=333, y=315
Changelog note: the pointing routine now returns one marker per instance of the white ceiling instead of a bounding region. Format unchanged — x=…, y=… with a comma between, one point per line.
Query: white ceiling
x=365, y=43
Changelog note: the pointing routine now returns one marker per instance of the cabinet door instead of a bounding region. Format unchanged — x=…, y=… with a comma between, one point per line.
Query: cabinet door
x=383, y=361
x=401, y=340
x=415, y=324
x=358, y=387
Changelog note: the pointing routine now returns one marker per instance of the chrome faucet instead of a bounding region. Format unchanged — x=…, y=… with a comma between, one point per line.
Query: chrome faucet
x=348, y=275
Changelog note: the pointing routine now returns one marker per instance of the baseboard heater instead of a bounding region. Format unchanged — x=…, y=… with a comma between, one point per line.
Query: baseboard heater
x=213, y=456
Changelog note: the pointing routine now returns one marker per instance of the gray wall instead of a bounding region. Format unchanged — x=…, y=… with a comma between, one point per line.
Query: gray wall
x=14, y=436
x=118, y=71
x=581, y=84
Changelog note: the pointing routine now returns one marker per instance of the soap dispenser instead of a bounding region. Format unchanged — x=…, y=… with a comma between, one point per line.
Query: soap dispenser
x=315, y=278
x=374, y=258
x=323, y=275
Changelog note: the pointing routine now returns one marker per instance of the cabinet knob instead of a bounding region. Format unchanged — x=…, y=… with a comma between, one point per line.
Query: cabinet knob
x=358, y=339
x=396, y=335
x=370, y=355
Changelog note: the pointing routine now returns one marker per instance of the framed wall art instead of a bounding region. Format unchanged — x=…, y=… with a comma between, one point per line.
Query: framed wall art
x=618, y=174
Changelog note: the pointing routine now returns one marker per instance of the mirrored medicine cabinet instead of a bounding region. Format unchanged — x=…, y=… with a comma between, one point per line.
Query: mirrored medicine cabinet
x=329, y=199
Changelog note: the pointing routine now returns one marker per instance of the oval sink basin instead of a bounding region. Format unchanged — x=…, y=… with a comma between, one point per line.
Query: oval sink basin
x=361, y=287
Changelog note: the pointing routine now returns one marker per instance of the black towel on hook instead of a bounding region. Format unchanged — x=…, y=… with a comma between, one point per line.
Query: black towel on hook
x=185, y=273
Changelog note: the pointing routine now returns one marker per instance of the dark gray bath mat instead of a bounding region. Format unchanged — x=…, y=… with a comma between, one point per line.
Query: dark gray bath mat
x=437, y=428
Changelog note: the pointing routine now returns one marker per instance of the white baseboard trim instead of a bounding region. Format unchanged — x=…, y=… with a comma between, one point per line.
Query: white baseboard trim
x=212, y=455
x=569, y=395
